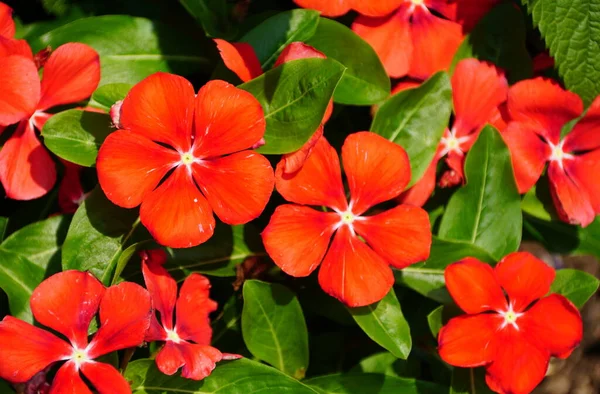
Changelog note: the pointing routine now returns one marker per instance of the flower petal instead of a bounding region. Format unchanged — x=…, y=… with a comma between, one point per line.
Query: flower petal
x=125, y=312
x=584, y=170
x=377, y=170
x=467, y=341
x=297, y=238
x=474, y=287
x=390, y=37
x=455, y=175
x=376, y=7
x=70, y=191
x=228, y=120
x=68, y=381
x=7, y=25
x=71, y=74
x=405, y=227
x=435, y=41
x=293, y=162
x=161, y=108
x=193, y=308
x=10, y=46
x=26, y=350
x=469, y=12
x=327, y=8
x=524, y=277
x=169, y=359
x=586, y=133
x=200, y=360
x=240, y=58
x=19, y=89
x=105, y=378
x=237, y=186
x=130, y=166
x=572, y=202
x=353, y=273
x=478, y=88
x=176, y=213
x=318, y=182
x=544, y=105
x=67, y=302
x=518, y=365
x=298, y=50
x=26, y=169
x=528, y=154
x=420, y=192
x=160, y=284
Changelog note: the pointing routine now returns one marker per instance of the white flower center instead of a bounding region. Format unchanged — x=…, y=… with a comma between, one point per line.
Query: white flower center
x=452, y=143
x=80, y=356
x=510, y=317
x=187, y=158
x=172, y=336
x=558, y=154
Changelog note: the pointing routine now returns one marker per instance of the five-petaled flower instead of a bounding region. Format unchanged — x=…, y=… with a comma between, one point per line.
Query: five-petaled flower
x=512, y=335
x=71, y=74
x=187, y=342
x=66, y=303
x=539, y=109
x=355, y=271
x=196, y=143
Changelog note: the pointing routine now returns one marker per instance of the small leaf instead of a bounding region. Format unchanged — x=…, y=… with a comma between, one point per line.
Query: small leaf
x=105, y=96
x=273, y=327
x=385, y=324
x=577, y=286
x=372, y=383
x=416, y=119
x=365, y=81
x=435, y=320
x=76, y=135
x=213, y=15
x=486, y=212
x=294, y=97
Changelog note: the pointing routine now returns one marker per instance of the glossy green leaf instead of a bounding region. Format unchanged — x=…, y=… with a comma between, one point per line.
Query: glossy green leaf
x=572, y=32
x=18, y=278
x=294, y=98
x=490, y=40
x=469, y=381
x=371, y=383
x=486, y=212
x=270, y=37
x=273, y=327
x=130, y=48
x=387, y=364
x=577, y=286
x=105, y=96
x=76, y=135
x=97, y=236
x=385, y=324
x=416, y=119
x=213, y=15
x=128, y=254
x=230, y=377
x=3, y=227
x=435, y=320
x=365, y=81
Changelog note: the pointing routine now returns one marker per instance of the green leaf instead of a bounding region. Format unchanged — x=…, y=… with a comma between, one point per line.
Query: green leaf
x=490, y=40
x=416, y=119
x=18, y=278
x=385, y=324
x=577, y=286
x=365, y=81
x=97, y=236
x=469, y=381
x=572, y=32
x=128, y=254
x=230, y=377
x=387, y=364
x=213, y=15
x=273, y=327
x=130, y=48
x=227, y=327
x=371, y=383
x=294, y=97
x=76, y=135
x=3, y=226
x=105, y=96
x=486, y=212
x=435, y=320
x=270, y=37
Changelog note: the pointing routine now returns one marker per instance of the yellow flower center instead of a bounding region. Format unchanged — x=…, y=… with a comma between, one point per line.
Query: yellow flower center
x=187, y=158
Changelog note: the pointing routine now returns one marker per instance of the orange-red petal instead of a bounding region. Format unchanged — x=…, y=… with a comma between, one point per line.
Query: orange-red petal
x=130, y=166
x=193, y=308
x=297, y=238
x=70, y=191
x=19, y=89
x=169, y=359
x=473, y=286
x=200, y=360
x=377, y=170
x=161, y=108
x=469, y=12
x=7, y=25
x=228, y=120
x=376, y=7
x=586, y=133
x=10, y=46
x=353, y=273
x=240, y=58
x=468, y=341
x=105, y=378
x=405, y=227
x=293, y=162
x=327, y=8
x=297, y=50
x=584, y=170
x=161, y=286
x=420, y=192
x=68, y=381
x=572, y=202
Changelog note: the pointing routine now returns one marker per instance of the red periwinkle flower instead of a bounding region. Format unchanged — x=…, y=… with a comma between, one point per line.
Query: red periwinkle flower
x=70, y=191
x=199, y=144
x=187, y=342
x=538, y=109
x=240, y=58
x=67, y=302
x=71, y=74
x=513, y=336
x=356, y=272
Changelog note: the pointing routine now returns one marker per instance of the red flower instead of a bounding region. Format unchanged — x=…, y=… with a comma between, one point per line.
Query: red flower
x=8, y=45
x=67, y=302
x=538, y=110
x=512, y=338
x=70, y=191
x=478, y=89
x=197, y=142
x=240, y=58
x=340, y=7
x=188, y=341
x=71, y=74
x=356, y=272
x=7, y=25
